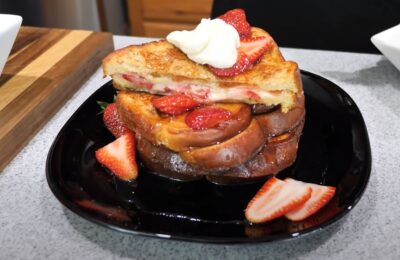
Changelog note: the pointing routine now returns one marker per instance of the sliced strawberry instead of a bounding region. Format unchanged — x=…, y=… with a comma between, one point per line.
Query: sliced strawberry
x=250, y=52
x=174, y=104
x=119, y=157
x=113, y=122
x=242, y=64
x=320, y=196
x=255, y=47
x=206, y=117
x=138, y=80
x=321, y=216
x=252, y=95
x=237, y=18
x=275, y=199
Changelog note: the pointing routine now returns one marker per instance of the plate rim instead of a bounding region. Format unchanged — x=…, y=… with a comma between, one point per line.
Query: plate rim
x=61, y=197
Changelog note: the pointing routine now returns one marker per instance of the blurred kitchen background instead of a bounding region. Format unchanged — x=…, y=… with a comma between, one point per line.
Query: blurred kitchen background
x=314, y=24
x=153, y=18
x=98, y=15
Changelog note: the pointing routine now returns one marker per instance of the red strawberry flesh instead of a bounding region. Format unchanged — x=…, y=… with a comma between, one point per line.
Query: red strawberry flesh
x=113, y=122
x=237, y=18
x=275, y=199
x=252, y=95
x=120, y=157
x=320, y=196
x=255, y=47
x=206, y=117
x=174, y=104
x=138, y=80
x=250, y=51
x=242, y=64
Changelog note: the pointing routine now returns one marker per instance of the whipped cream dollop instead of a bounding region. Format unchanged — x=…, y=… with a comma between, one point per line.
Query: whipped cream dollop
x=212, y=42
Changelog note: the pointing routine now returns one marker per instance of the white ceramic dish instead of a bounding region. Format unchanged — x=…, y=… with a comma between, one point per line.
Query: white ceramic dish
x=388, y=42
x=9, y=26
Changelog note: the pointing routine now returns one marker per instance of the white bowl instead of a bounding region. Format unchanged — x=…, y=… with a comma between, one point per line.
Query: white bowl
x=388, y=42
x=9, y=26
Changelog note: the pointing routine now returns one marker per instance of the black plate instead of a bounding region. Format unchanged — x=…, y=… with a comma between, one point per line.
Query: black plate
x=334, y=150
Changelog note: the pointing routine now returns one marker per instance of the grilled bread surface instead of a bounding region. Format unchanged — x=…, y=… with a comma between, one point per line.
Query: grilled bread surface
x=138, y=113
x=246, y=148
x=161, y=61
x=275, y=156
x=253, y=147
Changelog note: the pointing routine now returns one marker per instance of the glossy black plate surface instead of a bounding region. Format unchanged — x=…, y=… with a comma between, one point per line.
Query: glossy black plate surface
x=334, y=150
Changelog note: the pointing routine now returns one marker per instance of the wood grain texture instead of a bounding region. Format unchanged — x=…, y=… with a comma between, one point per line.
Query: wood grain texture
x=156, y=18
x=134, y=8
x=44, y=69
x=176, y=10
x=162, y=29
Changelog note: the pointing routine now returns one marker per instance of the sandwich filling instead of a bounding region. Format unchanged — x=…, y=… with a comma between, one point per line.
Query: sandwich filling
x=205, y=93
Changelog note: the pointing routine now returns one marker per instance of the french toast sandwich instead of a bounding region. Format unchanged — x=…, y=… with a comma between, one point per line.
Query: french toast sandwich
x=259, y=113
x=161, y=68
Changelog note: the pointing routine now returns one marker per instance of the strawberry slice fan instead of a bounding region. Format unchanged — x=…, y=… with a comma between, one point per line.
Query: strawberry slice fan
x=293, y=199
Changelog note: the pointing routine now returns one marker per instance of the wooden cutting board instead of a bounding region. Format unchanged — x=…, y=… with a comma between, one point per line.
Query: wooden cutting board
x=44, y=69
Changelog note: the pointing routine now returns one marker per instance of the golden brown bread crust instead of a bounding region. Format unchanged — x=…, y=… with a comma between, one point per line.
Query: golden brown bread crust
x=273, y=158
x=161, y=60
x=277, y=141
x=230, y=153
x=276, y=122
x=243, y=150
x=137, y=112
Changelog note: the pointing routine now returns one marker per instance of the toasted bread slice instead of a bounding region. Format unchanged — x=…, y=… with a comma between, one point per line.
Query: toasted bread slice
x=138, y=113
x=161, y=68
x=228, y=154
x=276, y=123
x=275, y=156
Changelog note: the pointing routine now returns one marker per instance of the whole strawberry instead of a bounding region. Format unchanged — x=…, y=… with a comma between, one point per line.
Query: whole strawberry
x=237, y=18
x=113, y=122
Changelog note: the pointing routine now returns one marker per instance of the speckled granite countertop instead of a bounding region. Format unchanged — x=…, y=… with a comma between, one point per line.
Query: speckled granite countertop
x=34, y=225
